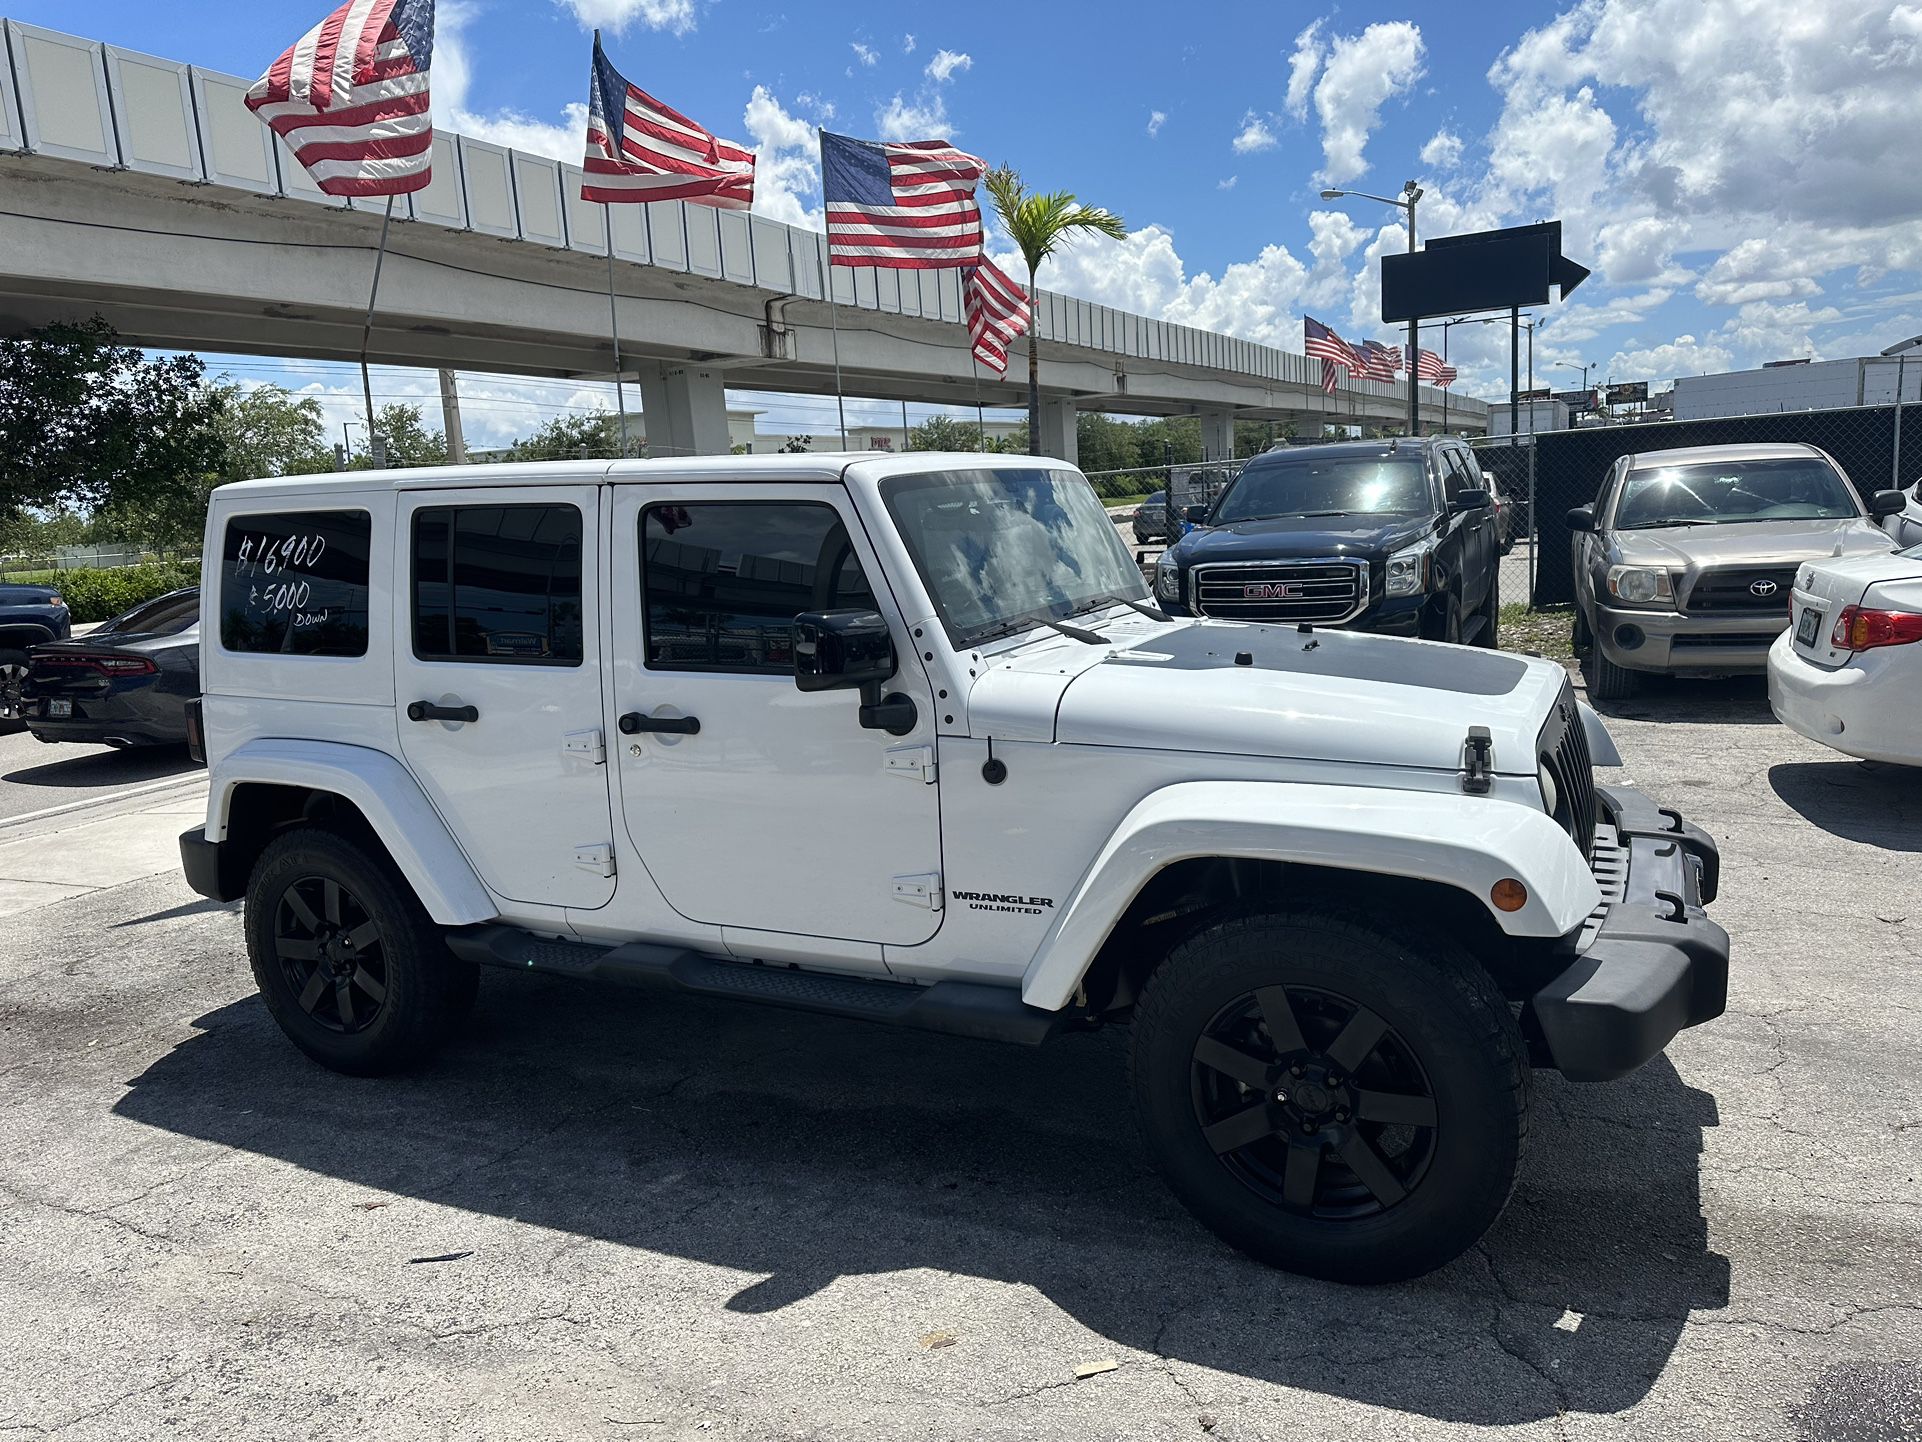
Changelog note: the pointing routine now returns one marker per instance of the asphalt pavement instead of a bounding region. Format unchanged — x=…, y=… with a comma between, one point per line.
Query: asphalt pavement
x=35, y=776
x=605, y=1215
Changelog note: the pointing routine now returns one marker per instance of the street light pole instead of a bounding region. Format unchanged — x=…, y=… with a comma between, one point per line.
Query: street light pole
x=1411, y=194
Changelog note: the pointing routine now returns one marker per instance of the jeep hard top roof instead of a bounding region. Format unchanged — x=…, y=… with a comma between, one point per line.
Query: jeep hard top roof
x=1384, y=446
x=803, y=467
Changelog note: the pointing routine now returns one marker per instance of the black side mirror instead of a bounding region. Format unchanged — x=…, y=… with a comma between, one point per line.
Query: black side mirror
x=1886, y=503
x=841, y=650
x=1471, y=501
x=1582, y=518
x=1195, y=515
x=852, y=650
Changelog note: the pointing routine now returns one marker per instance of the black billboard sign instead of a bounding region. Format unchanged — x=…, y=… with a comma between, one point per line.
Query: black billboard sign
x=1483, y=270
x=1627, y=392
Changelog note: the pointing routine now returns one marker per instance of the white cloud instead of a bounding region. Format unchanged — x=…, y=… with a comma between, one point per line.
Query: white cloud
x=1443, y=151
x=922, y=119
x=907, y=45
x=1659, y=364
x=1362, y=74
x=1756, y=270
x=945, y=63
x=1228, y=184
x=565, y=139
x=785, y=148
x=674, y=16
x=1303, y=66
x=1156, y=119
x=864, y=54
x=1255, y=135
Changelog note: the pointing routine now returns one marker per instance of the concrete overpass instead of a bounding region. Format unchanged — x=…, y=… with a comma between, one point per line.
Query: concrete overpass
x=141, y=189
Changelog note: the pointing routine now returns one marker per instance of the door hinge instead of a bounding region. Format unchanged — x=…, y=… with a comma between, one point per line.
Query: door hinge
x=598, y=858
x=589, y=744
x=914, y=761
x=919, y=890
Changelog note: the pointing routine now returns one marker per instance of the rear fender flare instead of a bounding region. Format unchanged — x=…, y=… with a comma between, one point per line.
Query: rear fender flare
x=1467, y=842
x=386, y=793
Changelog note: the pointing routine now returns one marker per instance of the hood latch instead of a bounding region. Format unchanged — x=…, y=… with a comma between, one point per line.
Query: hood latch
x=1478, y=761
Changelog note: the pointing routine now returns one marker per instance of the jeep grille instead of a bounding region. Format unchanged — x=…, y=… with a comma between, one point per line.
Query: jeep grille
x=1562, y=750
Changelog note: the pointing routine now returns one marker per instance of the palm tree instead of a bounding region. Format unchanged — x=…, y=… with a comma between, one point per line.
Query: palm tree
x=1039, y=223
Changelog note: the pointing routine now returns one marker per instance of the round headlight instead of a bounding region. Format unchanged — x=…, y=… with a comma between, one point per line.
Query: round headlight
x=1551, y=798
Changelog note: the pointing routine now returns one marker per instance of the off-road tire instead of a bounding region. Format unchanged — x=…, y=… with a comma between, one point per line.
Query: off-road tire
x=1605, y=680
x=1441, y=1010
x=426, y=992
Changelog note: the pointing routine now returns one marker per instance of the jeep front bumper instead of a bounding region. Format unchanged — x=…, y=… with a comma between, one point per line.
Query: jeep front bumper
x=1648, y=962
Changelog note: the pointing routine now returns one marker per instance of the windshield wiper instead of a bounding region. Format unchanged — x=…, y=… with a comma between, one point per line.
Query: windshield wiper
x=1091, y=638
x=1028, y=623
x=1664, y=525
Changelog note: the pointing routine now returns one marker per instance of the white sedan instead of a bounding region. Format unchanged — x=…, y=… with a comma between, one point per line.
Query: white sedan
x=1848, y=671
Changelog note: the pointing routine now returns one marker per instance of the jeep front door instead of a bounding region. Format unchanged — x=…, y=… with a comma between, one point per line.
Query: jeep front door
x=780, y=813
x=497, y=673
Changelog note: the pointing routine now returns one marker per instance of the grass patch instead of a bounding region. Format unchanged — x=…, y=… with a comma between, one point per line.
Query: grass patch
x=1547, y=632
x=1112, y=502
x=29, y=578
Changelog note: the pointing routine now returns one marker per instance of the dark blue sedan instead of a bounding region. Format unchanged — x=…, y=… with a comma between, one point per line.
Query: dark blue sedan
x=125, y=684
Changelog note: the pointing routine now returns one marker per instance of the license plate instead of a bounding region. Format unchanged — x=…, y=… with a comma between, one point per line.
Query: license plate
x=60, y=708
x=1809, y=626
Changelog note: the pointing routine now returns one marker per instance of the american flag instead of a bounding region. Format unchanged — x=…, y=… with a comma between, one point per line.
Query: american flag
x=1432, y=367
x=905, y=205
x=655, y=152
x=1380, y=362
x=1336, y=354
x=997, y=313
x=350, y=98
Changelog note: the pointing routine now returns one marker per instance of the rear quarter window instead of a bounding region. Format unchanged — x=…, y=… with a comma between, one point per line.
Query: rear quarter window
x=294, y=583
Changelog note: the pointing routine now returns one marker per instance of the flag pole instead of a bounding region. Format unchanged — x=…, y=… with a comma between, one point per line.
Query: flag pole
x=834, y=322
x=367, y=326
x=980, y=420
x=614, y=329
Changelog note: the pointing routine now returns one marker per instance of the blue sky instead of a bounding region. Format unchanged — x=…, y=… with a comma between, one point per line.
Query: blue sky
x=1740, y=173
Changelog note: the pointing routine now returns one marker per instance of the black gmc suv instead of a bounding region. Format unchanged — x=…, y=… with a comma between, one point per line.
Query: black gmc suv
x=1392, y=535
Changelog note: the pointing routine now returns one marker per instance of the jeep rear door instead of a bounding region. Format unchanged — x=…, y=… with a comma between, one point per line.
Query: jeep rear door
x=781, y=813
x=497, y=621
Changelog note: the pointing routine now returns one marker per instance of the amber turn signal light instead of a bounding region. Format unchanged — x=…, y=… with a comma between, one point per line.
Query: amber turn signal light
x=1508, y=894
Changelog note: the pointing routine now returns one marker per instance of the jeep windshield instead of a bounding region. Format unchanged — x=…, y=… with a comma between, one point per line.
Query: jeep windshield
x=1307, y=485
x=1004, y=548
x=1728, y=491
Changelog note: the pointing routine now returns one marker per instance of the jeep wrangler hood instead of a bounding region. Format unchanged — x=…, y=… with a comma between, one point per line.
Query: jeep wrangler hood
x=1323, y=695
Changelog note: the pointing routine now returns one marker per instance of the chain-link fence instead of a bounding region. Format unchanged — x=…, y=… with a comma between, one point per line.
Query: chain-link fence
x=1878, y=447
x=1157, y=498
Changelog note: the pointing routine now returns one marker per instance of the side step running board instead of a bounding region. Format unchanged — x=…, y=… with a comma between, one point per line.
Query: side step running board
x=959, y=1008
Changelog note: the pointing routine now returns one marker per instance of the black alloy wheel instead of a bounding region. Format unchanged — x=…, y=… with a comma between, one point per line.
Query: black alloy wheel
x=1314, y=1102
x=13, y=678
x=331, y=952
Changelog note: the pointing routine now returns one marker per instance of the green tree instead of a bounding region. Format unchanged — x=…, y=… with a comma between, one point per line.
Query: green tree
x=409, y=442
x=797, y=445
x=945, y=433
x=568, y=438
x=87, y=424
x=1106, y=444
x=268, y=431
x=1040, y=223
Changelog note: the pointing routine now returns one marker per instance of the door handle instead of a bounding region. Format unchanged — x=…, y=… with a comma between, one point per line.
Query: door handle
x=634, y=721
x=428, y=711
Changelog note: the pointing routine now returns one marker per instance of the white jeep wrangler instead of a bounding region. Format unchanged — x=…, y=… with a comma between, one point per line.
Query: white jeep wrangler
x=903, y=738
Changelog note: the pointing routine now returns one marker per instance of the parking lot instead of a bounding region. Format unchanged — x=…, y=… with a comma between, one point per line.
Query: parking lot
x=617, y=1215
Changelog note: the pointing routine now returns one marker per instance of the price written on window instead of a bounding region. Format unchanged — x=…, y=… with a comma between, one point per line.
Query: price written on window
x=274, y=566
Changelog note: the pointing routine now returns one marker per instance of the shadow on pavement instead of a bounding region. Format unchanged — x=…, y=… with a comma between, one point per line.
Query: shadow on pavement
x=806, y=1150
x=1862, y=801
x=105, y=768
x=1730, y=700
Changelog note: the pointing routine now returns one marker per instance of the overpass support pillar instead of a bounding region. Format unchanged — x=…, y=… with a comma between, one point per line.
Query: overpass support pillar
x=1217, y=435
x=1058, y=436
x=685, y=409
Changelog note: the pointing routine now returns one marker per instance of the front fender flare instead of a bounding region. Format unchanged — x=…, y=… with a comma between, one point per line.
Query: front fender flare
x=1467, y=842
x=386, y=794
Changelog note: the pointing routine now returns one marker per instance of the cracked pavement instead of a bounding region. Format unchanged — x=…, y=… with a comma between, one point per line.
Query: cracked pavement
x=681, y=1219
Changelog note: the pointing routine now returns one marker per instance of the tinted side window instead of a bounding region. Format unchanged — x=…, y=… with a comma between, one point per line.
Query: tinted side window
x=724, y=581
x=1455, y=477
x=165, y=617
x=295, y=583
x=498, y=583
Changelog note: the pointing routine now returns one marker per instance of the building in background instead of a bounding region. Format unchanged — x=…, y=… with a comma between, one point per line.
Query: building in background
x=1800, y=385
x=893, y=438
